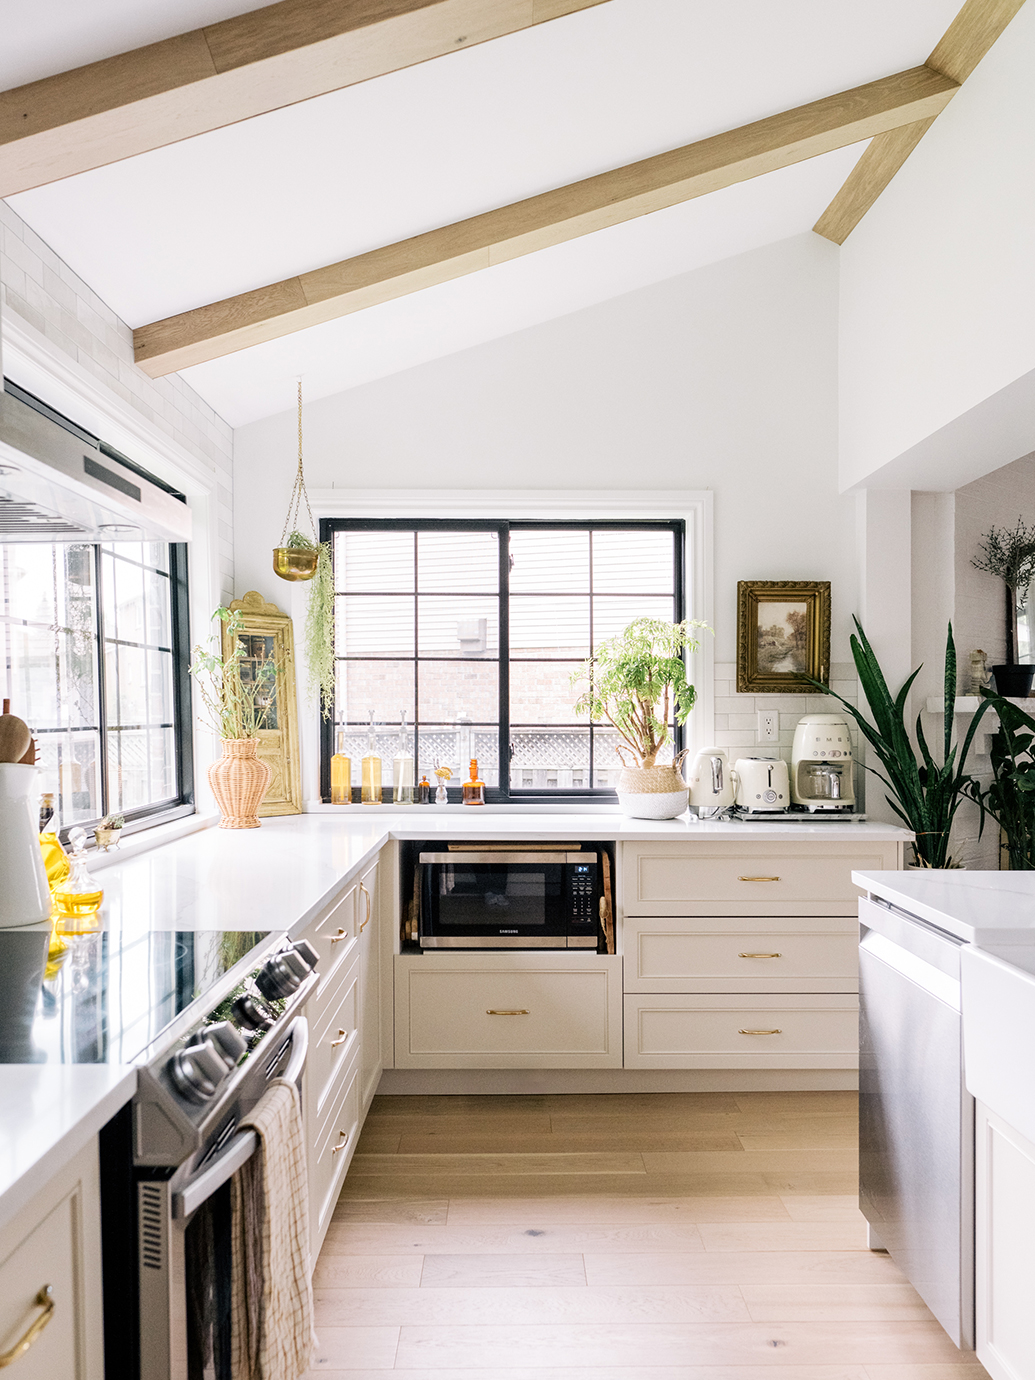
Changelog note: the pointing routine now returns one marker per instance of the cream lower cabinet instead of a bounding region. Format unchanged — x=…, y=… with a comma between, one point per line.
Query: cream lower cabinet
x=345, y=1055
x=743, y=954
x=1005, y=1262
x=508, y=1009
x=54, y=1244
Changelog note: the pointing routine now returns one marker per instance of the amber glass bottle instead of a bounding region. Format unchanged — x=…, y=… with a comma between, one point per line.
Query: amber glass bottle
x=370, y=794
x=474, y=790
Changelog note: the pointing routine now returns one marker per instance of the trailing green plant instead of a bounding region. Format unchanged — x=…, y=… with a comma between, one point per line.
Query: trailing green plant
x=319, y=622
x=1010, y=798
x=924, y=794
x=236, y=707
x=1009, y=553
x=637, y=681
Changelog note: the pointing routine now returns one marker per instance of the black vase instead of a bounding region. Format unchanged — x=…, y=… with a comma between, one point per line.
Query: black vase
x=1013, y=682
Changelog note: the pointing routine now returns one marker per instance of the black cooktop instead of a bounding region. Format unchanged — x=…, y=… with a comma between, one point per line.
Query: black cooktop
x=109, y=995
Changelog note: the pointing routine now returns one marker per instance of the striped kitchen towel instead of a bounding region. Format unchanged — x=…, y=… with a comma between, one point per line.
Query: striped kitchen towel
x=272, y=1296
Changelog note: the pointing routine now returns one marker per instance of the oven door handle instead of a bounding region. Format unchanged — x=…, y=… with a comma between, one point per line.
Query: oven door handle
x=243, y=1146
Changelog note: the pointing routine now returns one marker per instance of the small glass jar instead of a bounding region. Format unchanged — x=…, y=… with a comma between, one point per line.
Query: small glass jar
x=474, y=790
x=424, y=791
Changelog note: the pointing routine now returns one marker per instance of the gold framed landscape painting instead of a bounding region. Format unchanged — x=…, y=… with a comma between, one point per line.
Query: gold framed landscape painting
x=783, y=636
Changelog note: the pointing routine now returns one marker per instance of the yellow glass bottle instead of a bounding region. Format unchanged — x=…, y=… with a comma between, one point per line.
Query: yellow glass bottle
x=474, y=790
x=370, y=793
x=77, y=899
x=341, y=774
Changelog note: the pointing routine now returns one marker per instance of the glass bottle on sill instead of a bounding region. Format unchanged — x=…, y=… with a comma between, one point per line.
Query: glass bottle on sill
x=403, y=768
x=474, y=790
x=341, y=773
x=78, y=898
x=424, y=791
x=370, y=793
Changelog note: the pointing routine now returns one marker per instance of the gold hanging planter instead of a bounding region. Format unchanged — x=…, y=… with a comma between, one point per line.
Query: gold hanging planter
x=297, y=561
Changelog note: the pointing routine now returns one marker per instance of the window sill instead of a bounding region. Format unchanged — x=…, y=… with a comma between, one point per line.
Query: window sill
x=145, y=839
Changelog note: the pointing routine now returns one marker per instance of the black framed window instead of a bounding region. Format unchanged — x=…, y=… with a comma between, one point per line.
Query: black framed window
x=471, y=630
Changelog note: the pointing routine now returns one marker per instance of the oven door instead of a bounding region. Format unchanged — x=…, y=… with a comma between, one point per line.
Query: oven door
x=483, y=900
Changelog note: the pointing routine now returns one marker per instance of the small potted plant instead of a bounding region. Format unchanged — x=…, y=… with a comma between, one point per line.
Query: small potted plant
x=237, y=709
x=637, y=683
x=107, y=834
x=1009, y=553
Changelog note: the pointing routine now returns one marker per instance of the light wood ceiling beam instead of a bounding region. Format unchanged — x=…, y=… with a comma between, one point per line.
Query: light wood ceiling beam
x=227, y=72
x=551, y=218
x=959, y=50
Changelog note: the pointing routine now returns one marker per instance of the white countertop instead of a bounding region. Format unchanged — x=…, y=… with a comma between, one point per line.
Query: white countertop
x=994, y=910
x=50, y=1111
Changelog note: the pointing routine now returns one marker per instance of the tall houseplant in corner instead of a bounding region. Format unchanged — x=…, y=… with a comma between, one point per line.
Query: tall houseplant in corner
x=1009, y=553
x=236, y=708
x=637, y=683
x=924, y=794
x=1010, y=798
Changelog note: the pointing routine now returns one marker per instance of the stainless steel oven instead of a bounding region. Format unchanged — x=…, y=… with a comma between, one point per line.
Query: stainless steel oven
x=483, y=899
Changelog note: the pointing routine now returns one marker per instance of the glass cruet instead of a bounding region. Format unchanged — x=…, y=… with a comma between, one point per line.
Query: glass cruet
x=403, y=768
x=78, y=898
x=371, y=789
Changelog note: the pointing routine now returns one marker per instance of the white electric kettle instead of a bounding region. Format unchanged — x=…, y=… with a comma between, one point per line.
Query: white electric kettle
x=713, y=785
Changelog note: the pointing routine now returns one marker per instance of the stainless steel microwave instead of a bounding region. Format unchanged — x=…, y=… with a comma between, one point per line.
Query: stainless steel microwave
x=509, y=900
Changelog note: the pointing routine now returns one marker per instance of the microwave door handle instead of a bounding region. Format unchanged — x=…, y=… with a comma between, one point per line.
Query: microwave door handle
x=202, y=1186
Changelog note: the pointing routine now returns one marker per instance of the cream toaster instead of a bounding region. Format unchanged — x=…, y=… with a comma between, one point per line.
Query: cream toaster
x=763, y=784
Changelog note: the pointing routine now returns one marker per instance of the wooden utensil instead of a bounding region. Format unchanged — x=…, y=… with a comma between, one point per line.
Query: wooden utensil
x=15, y=738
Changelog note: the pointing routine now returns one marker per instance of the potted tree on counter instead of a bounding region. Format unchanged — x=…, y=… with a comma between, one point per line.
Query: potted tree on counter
x=637, y=683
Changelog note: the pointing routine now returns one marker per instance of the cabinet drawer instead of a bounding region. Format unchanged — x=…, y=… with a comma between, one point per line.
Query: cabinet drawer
x=486, y=1011
x=731, y=879
x=682, y=1031
x=335, y=1031
x=719, y=954
x=333, y=934
x=331, y=1152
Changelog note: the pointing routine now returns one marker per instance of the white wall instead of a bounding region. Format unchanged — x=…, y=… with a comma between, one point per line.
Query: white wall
x=938, y=288
x=721, y=379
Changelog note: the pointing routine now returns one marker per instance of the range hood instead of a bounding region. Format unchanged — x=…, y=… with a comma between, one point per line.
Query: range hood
x=57, y=483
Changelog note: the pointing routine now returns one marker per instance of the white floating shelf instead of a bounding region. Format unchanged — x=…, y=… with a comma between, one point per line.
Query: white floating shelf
x=967, y=704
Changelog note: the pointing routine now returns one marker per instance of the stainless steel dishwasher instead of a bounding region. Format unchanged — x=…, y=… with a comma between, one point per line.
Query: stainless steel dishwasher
x=916, y=1118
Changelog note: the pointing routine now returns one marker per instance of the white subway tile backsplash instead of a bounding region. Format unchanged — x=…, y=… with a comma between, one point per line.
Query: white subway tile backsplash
x=747, y=723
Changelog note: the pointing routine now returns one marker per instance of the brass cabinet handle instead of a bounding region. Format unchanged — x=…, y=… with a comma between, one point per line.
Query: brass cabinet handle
x=758, y=879
x=759, y=1032
x=341, y=1144
x=760, y=955
x=343, y=1041
x=506, y=1013
x=45, y=1300
x=337, y=938
x=366, y=893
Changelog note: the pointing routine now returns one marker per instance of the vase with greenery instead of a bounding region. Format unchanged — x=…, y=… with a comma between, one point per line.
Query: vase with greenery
x=923, y=793
x=1010, y=798
x=237, y=708
x=637, y=683
x=1009, y=554
x=319, y=622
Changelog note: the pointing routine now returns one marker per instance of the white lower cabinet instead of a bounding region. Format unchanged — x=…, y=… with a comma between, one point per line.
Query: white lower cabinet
x=55, y=1244
x=508, y=1009
x=331, y=1150
x=1005, y=1261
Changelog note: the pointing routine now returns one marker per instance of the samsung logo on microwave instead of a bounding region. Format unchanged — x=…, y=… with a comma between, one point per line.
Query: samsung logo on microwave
x=509, y=931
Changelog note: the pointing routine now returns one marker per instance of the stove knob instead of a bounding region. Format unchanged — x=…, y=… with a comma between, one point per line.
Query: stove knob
x=283, y=974
x=229, y=1043
x=197, y=1071
x=306, y=952
x=250, y=1015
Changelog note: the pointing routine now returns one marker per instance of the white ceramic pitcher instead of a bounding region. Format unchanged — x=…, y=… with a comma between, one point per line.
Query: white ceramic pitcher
x=24, y=892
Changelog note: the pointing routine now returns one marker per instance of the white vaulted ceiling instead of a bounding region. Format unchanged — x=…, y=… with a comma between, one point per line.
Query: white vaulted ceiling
x=328, y=178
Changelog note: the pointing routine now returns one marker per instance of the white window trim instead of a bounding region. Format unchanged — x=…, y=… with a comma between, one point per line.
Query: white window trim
x=692, y=506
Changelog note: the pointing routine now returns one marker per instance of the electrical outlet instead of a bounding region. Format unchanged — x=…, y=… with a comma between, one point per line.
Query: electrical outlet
x=768, y=726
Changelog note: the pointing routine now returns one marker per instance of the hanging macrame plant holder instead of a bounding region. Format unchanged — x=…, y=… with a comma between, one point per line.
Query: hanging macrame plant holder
x=297, y=555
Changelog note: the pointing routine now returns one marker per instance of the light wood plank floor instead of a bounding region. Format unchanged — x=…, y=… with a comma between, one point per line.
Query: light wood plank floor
x=679, y=1236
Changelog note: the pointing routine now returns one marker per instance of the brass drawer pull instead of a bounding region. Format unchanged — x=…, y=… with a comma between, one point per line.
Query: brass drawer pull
x=343, y=1041
x=759, y=1032
x=45, y=1300
x=366, y=893
x=758, y=879
x=506, y=1013
x=341, y=1144
x=760, y=955
x=337, y=938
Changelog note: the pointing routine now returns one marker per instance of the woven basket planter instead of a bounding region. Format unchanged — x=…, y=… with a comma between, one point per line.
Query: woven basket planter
x=653, y=792
x=239, y=781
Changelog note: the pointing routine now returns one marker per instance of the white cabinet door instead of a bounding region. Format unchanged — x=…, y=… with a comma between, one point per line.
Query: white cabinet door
x=55, y=1243
x=1005, y=1264
x=369, y=930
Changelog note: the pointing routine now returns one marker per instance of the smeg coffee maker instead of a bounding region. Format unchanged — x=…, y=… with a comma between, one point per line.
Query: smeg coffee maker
x=821, y=764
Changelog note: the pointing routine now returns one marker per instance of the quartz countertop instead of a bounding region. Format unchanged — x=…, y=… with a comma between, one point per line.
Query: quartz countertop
x=994, y=910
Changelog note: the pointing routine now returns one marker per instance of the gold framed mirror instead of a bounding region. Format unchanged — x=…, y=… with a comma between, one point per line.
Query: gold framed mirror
x=268, y=635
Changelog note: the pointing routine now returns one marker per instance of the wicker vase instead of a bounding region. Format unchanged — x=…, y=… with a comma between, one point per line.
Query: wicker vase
x=239, y=781
x=652, y=792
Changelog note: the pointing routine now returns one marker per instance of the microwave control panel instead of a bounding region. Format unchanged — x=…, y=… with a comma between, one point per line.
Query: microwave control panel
x=582, y=882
